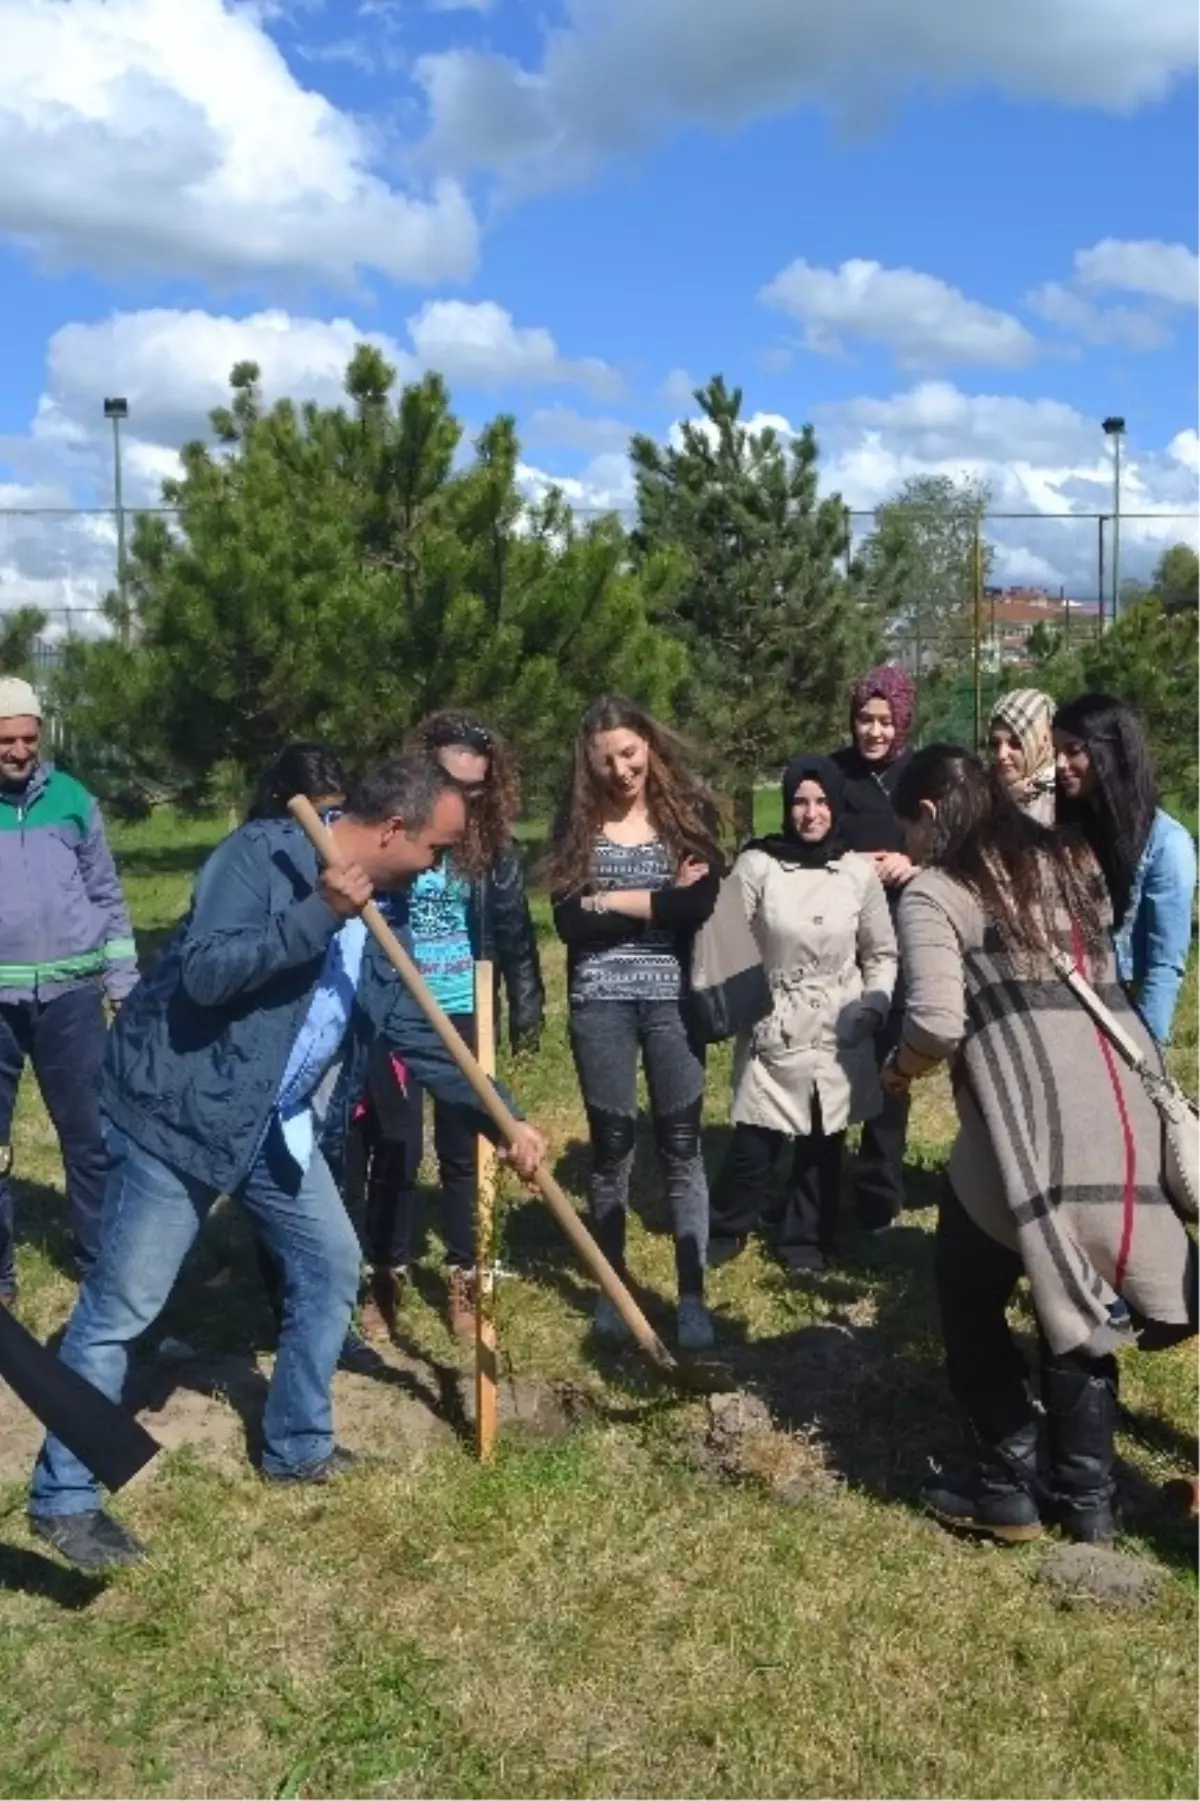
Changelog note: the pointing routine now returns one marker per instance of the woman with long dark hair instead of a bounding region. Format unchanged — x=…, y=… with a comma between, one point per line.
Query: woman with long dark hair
x=470, y=908
x=1055, y=1173
x=1107, y=787
x=883, y=705
x=634, y=869
x=806, y=1072
x=306, y=767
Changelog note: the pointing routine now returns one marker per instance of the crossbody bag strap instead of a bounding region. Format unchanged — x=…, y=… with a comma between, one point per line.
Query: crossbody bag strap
x=1087, y=997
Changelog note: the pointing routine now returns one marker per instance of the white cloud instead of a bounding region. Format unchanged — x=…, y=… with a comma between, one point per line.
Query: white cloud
x=604, y=485
x=1064, y=306
x=679, y=387
x=478, y=343
x=1169, y=272
x=1040, y=457
x=170, y=135
x=620, y=74
x=923, y=321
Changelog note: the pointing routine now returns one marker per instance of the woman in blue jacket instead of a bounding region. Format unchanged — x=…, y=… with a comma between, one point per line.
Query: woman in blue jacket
x=471, y=907
x=1107, y=787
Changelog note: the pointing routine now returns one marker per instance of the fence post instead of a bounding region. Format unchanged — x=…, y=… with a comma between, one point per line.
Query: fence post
x=485, y=1230
x=1100, y=518
x=977, y=586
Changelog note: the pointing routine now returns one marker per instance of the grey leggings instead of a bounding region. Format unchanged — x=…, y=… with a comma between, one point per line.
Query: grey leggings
x=606, y=1037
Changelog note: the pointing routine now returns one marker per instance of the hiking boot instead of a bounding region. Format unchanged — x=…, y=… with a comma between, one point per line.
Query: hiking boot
x=995, y=1496
x=91, y=1541
x=723, y=1250
x=608, y=1324
x=1081, y=1411
x=380, y=1310
x=462, y=1301
x=693, y=1324
x=805, y=1260
x=339, y=1462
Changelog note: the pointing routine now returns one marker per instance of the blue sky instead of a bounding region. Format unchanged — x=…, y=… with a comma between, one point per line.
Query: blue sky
x=954, y=238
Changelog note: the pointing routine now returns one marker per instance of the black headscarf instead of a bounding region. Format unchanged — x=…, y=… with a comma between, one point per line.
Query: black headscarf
x=788, y=846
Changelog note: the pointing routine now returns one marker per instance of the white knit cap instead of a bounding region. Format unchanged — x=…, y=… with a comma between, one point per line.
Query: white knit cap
x=17, y=699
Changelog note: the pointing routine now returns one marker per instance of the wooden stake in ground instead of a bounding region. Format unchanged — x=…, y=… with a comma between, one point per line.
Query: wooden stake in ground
x=485, y=1229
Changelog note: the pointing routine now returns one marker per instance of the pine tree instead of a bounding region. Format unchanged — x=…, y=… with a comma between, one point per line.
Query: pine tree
x=748, y=578
x=331, y=573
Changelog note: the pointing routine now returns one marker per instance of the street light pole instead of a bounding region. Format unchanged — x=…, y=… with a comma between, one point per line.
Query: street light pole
x=1114, y=428
x=117, y=409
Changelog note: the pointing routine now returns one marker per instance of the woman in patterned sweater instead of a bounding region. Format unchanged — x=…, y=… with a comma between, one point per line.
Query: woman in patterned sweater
x=634, y=869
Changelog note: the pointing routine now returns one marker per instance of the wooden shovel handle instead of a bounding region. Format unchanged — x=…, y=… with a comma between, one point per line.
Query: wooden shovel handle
x=506, y=1122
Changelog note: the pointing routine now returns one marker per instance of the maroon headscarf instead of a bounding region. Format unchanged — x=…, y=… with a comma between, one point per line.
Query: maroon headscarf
x=896, y=687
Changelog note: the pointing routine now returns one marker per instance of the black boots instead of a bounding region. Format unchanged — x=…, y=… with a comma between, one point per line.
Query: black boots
x=998, y=1494
x=1003, y=1493
x=1081, y=1411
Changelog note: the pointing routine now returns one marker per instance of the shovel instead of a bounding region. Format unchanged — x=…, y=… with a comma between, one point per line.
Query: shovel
x=699, y=1377
x=112, y=1444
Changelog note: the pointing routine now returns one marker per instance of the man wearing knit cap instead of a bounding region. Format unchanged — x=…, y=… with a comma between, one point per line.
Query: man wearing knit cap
x=65, y=942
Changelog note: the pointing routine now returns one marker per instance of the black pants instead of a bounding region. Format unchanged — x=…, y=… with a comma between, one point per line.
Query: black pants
x=64, y=1039
x=879, y=1172
x=976, y=1279
x=607, y=1039
x=813, y=1195
x=395, y=1146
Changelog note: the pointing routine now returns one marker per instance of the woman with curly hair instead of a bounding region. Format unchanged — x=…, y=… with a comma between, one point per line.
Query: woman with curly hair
x=634, y=870
x=1107, y=787
x=470, y=908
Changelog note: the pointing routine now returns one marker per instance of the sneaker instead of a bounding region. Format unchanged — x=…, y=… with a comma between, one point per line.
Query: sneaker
x=806, y=1260
x=357, y=1356
x=380, y=1310
x=723, y=1250
x=462, y=1302
x=339, y=1462
x=693, y=1325
x=608, y=1324
x=91, y=1541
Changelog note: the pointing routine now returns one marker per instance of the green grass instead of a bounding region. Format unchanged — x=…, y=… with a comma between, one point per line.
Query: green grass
x=592, y=1616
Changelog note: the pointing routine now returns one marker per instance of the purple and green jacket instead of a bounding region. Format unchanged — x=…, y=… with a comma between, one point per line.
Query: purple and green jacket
x=63, y=918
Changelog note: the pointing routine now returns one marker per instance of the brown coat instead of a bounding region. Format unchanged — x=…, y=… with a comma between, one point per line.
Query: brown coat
x=829, y=951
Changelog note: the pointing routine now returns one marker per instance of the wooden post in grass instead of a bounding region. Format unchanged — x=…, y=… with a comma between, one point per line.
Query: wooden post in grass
x=485, y=1230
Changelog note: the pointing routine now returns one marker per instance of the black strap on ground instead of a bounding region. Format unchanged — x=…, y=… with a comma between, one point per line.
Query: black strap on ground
x=102, y=1435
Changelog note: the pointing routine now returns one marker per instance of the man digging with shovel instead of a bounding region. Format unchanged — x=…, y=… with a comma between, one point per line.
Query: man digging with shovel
x=217, y=1080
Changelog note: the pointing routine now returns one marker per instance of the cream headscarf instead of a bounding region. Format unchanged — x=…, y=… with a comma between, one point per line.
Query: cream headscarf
x=1029, y=714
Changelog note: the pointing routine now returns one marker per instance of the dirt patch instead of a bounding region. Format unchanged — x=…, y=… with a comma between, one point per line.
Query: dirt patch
x=740, y=1442
x=214, y=1406
x=1093, y=1575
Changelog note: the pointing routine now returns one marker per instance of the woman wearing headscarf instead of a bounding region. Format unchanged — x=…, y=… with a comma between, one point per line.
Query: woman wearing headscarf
x=882, y=717
x=807, y=1071
x=1021, y=744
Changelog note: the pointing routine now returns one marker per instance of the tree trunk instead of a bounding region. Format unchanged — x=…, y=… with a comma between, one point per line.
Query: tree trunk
x=743, y=809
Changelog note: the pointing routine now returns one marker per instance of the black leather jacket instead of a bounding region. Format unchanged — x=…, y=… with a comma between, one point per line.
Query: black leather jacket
x=502, y=933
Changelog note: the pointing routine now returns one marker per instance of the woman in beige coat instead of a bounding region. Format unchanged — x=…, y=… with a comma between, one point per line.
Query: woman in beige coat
x=807, y=1071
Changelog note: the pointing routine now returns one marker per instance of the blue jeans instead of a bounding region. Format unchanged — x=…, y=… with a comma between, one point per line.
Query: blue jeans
x=64, y=1039
x=152, y=1214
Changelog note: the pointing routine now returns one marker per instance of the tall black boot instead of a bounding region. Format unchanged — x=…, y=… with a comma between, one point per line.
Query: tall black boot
x=997, y=1494
x=1081, y=1412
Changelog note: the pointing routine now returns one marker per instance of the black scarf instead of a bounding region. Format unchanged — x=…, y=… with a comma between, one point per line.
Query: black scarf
x=787, y=846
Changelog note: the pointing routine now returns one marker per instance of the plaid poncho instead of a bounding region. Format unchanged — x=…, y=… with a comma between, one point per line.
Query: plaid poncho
x=1060, y=1150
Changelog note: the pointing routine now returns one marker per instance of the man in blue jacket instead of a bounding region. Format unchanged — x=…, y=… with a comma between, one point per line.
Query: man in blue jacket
x=65, y=943
x=218, y=1080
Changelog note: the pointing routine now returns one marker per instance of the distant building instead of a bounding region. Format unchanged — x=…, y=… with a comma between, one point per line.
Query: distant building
x=1008, y=619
